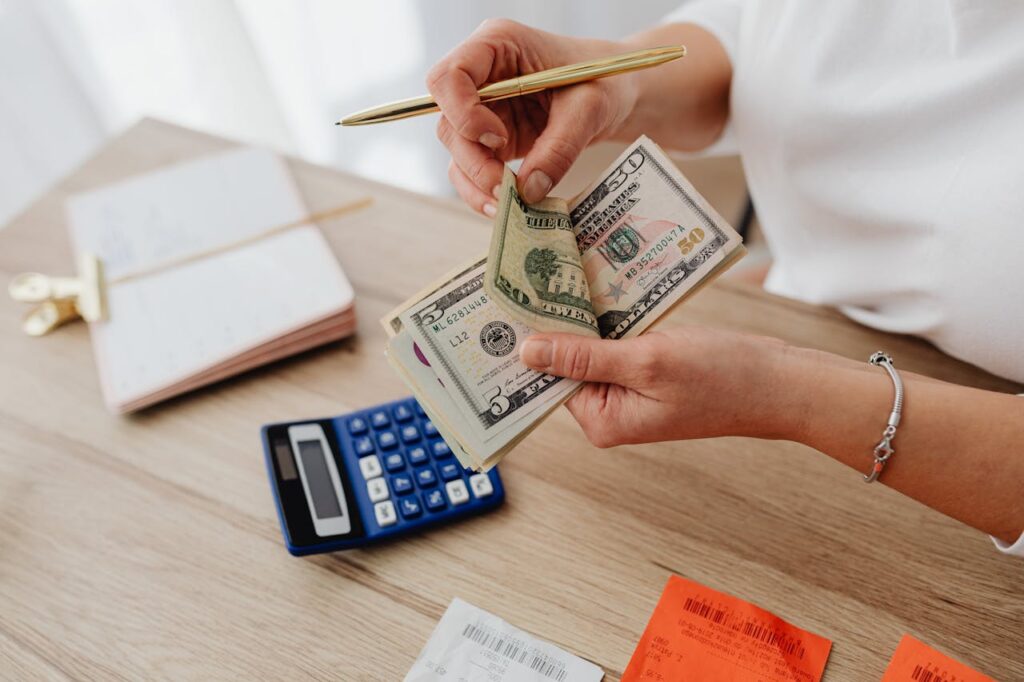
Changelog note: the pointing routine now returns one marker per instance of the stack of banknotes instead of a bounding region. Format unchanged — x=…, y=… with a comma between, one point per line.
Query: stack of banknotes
x=607, y=264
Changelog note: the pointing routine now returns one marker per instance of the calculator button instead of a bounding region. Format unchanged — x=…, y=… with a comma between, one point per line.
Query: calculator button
x=441, y=450
x=481, y=485
x=410, y=507
x=357, y=425
x=434, y=500
x=379, y=419
x=419, y=410
x=449, y=471
x=402, y=413
x=385, y=513
x=394, y=462
x=429, y=428
x=418, y=455
x=457, y=492
x=410, y=434
x=377, y=489
x=370, y=467
x=364, y=445
x=426, y=477
x=387, y=440
x=401, y=484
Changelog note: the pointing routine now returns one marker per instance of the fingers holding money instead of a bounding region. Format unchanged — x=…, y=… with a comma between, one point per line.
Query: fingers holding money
x=589, y=359
x=673, y=384
x=470, y=193
x=594, y=409
x=476, y=163
x=577, y=115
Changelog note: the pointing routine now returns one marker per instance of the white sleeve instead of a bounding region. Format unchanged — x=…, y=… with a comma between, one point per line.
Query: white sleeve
x=1016, y=549
x=720, y=18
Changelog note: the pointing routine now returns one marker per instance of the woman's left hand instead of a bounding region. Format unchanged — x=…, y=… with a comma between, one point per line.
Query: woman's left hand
x=681, y=383
x=696, y=382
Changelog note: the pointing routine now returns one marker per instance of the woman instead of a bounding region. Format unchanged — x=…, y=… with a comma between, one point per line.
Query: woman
x=884, y=150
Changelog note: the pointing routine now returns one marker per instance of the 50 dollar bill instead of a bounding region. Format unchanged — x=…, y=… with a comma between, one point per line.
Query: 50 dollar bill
x=613, y=260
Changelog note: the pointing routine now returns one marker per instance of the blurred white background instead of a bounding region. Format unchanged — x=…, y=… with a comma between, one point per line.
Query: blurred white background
x=270, y=72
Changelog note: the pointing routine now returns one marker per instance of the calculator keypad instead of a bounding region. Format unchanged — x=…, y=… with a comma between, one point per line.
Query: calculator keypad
x=369, y=467
x=410, y=507
x=457, y=492
x=377, y=489
x=426, y=477
x=449, y=471
x=418, y=455
x=385, y=513
x=357, y=426
x=434, y=500
x=394, y=462
x=481, y=485
x=403, y=482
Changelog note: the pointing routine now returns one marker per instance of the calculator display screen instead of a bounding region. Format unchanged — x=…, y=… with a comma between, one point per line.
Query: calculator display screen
x=321, y=489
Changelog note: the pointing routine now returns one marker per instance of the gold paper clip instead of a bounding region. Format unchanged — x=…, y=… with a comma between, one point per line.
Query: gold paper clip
x=62, y=299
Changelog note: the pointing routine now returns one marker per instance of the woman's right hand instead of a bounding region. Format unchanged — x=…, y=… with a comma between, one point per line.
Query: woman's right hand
x=549, y=128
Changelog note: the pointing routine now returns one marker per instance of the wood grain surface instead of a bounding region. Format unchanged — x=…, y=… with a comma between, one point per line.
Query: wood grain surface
x=147, y=547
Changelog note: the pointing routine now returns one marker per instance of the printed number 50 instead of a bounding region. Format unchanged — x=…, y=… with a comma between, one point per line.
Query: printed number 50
x=691, y=240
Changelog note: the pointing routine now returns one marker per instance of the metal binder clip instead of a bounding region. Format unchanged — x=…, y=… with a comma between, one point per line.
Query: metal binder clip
x=62, y=299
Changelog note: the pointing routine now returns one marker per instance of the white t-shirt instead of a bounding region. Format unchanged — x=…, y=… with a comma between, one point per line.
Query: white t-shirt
x=884, y=150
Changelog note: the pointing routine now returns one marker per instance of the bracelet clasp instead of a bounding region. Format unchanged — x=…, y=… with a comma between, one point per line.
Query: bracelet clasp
x=884, y=450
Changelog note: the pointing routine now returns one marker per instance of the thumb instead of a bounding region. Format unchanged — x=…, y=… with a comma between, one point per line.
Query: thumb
x=573, y=121
x=578, y=357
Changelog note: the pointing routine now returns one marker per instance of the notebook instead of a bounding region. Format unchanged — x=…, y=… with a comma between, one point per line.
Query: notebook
x=212, y=270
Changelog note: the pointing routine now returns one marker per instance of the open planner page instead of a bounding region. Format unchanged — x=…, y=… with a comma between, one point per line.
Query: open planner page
x=177, y=316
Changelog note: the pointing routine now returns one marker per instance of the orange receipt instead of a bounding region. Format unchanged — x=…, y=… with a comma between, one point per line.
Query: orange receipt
x=696, y=633
x=915, y=661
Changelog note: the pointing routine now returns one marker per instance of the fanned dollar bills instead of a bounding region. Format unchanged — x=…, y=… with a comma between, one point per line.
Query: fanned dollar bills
x=609, y=264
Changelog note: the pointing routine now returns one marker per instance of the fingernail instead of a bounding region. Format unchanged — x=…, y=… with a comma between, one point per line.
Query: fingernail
x=490, y=210
x=492, y=141
x=496, y=191
x=536, y=353
x=537, y=186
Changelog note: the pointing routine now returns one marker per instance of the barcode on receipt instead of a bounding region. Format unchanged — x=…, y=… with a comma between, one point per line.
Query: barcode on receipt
x=922, y=674
x=516, y=650
x=757, y=631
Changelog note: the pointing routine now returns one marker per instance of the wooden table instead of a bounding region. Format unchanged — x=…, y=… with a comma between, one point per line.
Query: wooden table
x=148, y=546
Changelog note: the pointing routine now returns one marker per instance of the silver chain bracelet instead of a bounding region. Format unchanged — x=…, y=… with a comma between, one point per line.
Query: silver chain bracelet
x=884, y=450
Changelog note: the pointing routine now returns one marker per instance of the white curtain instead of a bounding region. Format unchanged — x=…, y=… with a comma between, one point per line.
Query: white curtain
x=270, y=72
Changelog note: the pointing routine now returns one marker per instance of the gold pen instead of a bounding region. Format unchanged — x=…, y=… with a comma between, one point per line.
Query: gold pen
x=524, y=85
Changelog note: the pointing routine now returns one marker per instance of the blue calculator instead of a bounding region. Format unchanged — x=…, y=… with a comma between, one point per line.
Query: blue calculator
x=367, y=476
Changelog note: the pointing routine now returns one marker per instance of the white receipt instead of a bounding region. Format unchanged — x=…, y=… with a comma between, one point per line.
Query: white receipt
x=471, y=645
